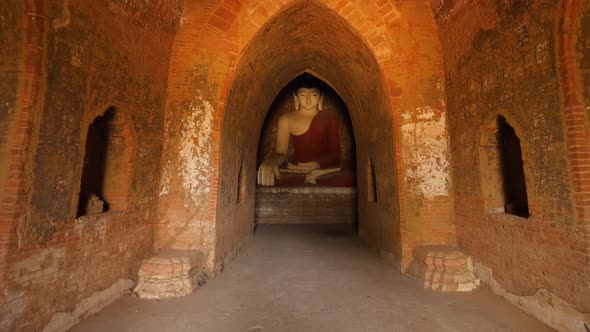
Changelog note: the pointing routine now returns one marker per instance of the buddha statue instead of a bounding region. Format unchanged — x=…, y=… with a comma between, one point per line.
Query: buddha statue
x=314, y=133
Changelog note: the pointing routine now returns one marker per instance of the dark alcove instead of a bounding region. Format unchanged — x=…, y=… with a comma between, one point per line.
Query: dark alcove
x=512, y=170
x=95, y=162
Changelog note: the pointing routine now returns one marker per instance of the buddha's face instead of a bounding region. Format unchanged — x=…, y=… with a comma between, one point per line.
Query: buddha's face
x=308, y=98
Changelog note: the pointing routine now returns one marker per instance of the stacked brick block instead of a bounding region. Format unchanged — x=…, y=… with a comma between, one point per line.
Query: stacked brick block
x=171, y=273
x=443, y=268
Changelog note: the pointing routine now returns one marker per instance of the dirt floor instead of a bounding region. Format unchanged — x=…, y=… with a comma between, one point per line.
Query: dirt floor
x=298, y=278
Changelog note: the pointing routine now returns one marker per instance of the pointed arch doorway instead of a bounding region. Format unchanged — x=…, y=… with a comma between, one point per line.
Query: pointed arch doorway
x=308, y=37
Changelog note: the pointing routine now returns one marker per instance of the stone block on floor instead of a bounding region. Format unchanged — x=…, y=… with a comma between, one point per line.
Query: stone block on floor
x=443, y=268
x=172, y=273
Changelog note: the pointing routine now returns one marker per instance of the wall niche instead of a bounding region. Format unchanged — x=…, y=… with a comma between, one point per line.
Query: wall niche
x=107, y=164
x=371, y=182
x=501, y=167
x=241, y=189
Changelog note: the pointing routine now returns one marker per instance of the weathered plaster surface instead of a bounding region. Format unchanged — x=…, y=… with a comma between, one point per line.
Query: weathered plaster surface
x=196, y=148
x=543, y=305
x=63, y=321
x=185, y=227
x=425, y=140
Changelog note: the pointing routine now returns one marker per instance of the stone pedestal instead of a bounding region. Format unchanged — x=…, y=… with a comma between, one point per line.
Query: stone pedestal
x=171, y=273
x=443, y=268
x=306, y=205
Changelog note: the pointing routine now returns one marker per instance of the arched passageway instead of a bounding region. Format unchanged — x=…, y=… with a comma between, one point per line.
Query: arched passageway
x=193, y=80
x=308, y=37
x=225, y=71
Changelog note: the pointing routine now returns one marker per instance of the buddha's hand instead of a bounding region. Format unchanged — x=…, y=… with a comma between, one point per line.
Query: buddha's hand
x=267, y=173
x=308, y=166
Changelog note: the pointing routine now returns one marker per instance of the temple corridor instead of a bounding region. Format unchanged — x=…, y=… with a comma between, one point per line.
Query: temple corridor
x=165, y=155
x=293, y=278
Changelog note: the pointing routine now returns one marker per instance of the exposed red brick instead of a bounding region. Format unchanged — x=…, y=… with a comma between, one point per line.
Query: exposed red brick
x=194, y=93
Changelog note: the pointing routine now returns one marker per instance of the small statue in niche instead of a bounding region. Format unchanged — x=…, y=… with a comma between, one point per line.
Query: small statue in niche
x=314, y=133
x=95, y=205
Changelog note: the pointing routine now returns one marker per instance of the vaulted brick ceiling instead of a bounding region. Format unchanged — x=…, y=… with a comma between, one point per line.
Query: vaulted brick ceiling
x=310, y=37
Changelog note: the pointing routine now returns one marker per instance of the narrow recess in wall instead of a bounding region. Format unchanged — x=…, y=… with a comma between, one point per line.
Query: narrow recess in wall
x=241, y=191
x=92, y=200
x=516, y=201
x=108, y=164
x=371, y=182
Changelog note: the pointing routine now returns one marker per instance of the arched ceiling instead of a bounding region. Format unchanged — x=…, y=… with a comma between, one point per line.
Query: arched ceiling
x=307, y=36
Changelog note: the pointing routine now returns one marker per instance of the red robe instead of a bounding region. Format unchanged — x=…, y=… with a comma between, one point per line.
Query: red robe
x=321, y=143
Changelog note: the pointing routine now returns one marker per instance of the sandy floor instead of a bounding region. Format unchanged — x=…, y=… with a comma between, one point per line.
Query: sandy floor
x=297, y=278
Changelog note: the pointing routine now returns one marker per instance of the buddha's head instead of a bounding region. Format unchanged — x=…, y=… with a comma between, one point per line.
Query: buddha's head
x=308, y=95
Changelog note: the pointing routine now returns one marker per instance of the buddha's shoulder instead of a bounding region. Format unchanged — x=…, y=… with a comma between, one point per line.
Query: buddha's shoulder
x=286, y=117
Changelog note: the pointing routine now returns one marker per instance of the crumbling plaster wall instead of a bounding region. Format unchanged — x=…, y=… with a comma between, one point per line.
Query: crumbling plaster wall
x=502, y=57
x=210, y=46
x=86, y=57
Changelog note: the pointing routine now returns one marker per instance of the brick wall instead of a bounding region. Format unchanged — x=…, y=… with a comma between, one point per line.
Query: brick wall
x=11, y=68
x=583, y=49
x=306, y=205
x=81, y=58
x=505, y=58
